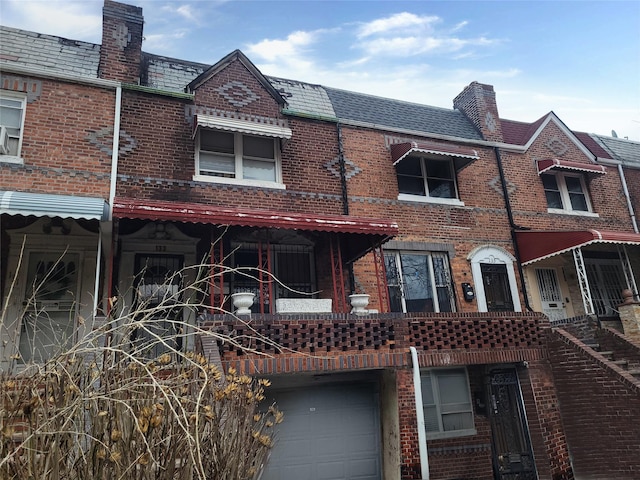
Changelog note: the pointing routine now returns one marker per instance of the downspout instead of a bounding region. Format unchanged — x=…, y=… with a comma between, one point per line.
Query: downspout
x=628, y=198
x=115, y=147
x=422, y=433
x=512, y=227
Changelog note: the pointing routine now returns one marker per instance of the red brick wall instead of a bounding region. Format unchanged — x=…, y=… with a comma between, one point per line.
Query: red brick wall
x=59, y=149
x=528, y=199
x=599, y=409
x=374, y=192
x=162, y=164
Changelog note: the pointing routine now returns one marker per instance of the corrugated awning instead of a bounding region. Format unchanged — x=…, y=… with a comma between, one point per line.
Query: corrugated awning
x=260, y=126
x=49, y=205
x=554, y=164
x=535, y=246
x=363, y=234
x=215, y=215
x=400, y=151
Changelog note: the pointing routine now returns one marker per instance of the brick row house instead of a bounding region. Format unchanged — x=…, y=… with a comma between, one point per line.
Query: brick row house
x=469, y=234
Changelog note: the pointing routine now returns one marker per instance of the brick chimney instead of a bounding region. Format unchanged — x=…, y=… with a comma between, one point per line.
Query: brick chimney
x=478, y=103
x=121, y=50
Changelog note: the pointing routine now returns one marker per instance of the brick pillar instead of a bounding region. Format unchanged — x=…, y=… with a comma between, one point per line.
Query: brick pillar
x=630, y=317
x=121, y=49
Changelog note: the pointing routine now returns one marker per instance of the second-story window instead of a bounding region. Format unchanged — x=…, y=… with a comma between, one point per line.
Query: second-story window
x=226, y=155
x=427, y=177
x=566, y=193
x=12, y=107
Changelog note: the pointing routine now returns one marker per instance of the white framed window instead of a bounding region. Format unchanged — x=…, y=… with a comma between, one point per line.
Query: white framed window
x=446, y=402
x=233, y=157
x=566, y=193
x=419, y=281
x=427, y=179
x=12, y=109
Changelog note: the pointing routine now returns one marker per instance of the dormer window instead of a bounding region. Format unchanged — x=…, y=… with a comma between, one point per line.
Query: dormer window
x=234, y=155
x=566, y=192
x=239, y=150
x=564, y=184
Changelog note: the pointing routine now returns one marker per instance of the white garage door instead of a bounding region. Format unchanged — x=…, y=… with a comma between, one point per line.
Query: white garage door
x=328, y=433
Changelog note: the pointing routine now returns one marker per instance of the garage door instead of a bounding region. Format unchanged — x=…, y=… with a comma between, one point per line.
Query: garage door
x=328, y=433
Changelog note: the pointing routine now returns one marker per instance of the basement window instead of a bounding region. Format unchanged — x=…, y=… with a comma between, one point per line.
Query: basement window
x=446, y=401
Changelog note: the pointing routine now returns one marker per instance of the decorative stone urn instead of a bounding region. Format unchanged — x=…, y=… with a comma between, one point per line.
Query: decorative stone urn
x=359, y=302
x=242, y=302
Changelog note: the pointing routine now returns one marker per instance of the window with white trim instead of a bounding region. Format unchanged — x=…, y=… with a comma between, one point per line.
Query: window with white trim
x=427, y=177
x=566, y=192
x=235, y=156
x=419, y=281
x=12, y=107
x=446, y=402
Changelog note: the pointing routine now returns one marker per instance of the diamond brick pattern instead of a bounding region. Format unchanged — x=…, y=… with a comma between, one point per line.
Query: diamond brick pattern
x=237, y=93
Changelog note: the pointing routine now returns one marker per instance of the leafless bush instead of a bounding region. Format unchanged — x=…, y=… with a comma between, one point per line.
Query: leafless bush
x=104, y=409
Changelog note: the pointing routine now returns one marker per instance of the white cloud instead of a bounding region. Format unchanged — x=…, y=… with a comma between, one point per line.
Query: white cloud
x=162, y=42
x=282, y=50
x=78, y=20
x=396, y=22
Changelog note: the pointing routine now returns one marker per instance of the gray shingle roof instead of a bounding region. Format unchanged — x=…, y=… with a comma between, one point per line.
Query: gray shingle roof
x=56, y=54
x=386, y=112
x=621, y=149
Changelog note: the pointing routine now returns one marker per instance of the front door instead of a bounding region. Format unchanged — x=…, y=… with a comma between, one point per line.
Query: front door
x=512, y=454
x=550, y=294
x=158, y=303
x=51, y=304
x=497, y=290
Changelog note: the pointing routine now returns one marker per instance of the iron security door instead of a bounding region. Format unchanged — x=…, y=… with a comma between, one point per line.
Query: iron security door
x=550, y=295
x=512, y=454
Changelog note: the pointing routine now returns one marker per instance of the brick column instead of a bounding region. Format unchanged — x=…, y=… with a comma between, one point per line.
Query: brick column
x=630, y=317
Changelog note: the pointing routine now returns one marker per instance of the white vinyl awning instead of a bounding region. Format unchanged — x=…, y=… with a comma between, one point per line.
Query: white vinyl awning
x=49, y=205
x=260, y=126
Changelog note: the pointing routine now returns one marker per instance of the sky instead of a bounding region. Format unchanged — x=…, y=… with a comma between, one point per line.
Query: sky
x=579, y=59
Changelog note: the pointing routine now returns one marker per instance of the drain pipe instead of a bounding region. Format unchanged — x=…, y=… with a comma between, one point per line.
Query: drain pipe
x=512, y=227
x=422, y=433
x=345, y=195
x=626, y=195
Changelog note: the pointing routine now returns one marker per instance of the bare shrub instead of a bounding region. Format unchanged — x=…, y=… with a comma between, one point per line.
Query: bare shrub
x=104, y=410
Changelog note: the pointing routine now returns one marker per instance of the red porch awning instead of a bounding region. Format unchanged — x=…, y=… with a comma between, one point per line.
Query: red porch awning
x=399, y=151
x=216, y=215
x=554, y=164
x=535, y=246
x=365, y=233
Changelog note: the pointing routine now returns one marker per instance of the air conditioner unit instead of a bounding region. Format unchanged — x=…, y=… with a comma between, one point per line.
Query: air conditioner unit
x=4, y=141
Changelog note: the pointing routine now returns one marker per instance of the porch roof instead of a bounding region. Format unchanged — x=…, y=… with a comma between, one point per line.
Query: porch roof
x=538, y=245
x=50, y=205
x=364, y=232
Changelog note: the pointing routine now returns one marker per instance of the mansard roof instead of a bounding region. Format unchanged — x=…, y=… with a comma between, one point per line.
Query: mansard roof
x=625, y=151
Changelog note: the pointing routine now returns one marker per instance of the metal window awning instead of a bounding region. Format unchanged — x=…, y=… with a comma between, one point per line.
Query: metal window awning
x=461, y=155
x=555, y=164
x=535, y=246
x=260, y=126
x=49, y=205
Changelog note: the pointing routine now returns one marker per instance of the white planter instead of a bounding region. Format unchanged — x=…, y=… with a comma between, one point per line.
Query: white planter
x=242, y=302
x=359, y=302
